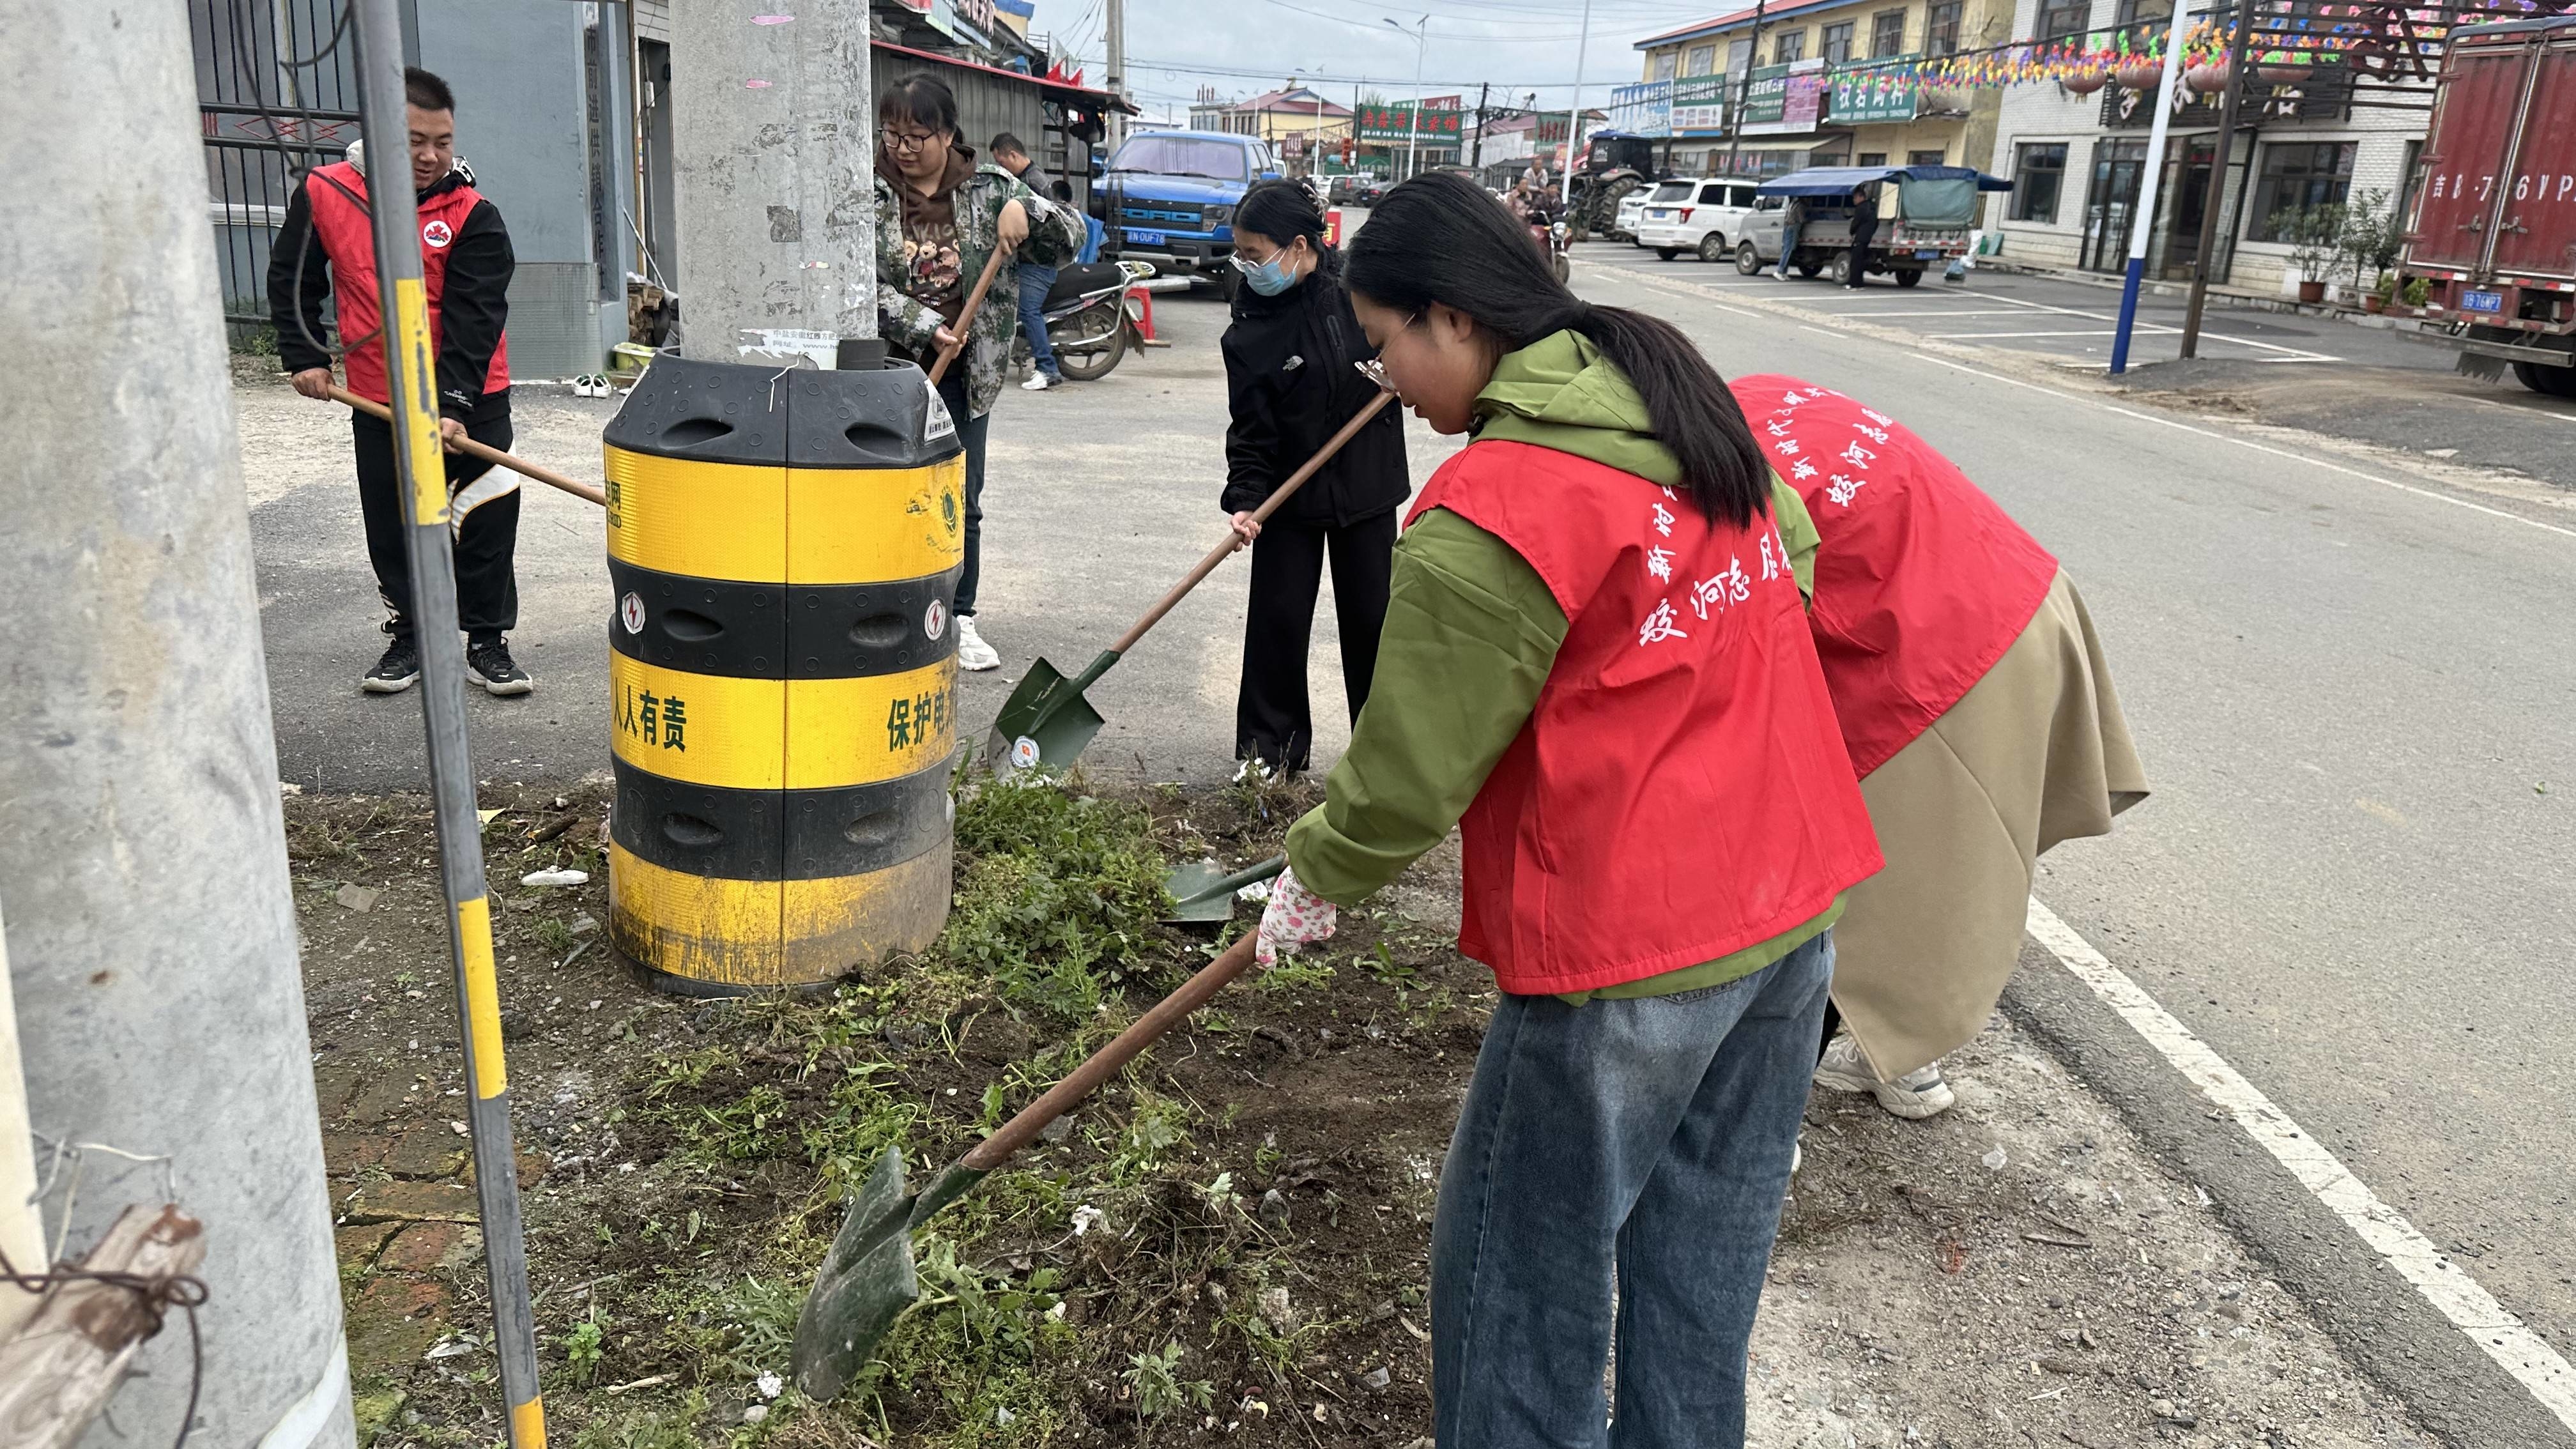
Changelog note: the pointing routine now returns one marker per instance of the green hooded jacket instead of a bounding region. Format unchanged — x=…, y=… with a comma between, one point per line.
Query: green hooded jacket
x=1471, y=633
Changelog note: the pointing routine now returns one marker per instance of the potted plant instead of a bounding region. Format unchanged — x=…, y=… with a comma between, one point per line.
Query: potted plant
x=2380, y=292
x=2285, y=67
x=2315, y=236
x=2418, y=292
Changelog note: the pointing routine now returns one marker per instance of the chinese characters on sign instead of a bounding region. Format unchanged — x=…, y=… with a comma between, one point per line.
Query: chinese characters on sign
x=913, y=721
x=661, y=720
x=1395, y=123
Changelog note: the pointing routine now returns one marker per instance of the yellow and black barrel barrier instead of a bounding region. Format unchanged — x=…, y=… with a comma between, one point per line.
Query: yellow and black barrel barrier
x=784, y=550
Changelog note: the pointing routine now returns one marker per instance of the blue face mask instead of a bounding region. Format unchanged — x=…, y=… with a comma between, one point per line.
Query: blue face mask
x=1269, y=279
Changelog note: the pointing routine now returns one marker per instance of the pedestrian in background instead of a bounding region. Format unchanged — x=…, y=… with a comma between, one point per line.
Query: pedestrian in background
x=1036, y=280
x=939, y=217
x=1290, y=384
x=326, y=248
x=1793, y=220
x=1864, y=230
x=1976, y=707
x=1597, y=667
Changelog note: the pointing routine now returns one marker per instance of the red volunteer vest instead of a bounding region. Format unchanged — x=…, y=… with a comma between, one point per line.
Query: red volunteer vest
x=348, y=239
x=1680, y=792
x=1922, y=581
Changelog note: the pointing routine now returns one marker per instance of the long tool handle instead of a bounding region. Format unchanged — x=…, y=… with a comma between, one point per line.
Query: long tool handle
x=472, y=448
x=1266, y=870
x=1262, y=514
x=966, y=319
x=423, y=470
x=1061, y=1098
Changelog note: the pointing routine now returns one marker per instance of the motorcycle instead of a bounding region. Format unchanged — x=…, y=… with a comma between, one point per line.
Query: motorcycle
x=1091, y=321
x=1554, y=239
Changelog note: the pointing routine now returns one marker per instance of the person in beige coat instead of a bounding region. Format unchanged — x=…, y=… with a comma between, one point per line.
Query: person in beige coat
x=1978, y=712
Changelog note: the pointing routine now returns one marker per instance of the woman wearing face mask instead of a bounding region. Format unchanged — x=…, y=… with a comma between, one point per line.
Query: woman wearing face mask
x=1291, y=386
x=1597, y=664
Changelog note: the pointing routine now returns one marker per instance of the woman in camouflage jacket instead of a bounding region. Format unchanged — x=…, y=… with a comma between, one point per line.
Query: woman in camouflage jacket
x=939, y=217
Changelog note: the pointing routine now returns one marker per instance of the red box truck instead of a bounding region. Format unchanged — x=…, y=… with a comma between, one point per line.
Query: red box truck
x=2493, y=231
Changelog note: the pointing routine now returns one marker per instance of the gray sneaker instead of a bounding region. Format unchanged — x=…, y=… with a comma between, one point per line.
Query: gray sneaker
x=1918, y=1094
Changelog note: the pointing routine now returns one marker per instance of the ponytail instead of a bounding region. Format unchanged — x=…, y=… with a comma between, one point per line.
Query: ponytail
x=1440, y=238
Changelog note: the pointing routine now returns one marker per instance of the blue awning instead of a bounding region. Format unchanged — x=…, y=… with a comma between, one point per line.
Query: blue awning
x=1839, y=181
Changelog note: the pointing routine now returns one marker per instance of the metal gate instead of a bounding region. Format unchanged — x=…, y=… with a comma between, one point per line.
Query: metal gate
x=277, y=95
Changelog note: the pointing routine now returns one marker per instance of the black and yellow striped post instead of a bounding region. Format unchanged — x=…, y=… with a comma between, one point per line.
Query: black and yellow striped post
x=423, y=469
x=784, y=547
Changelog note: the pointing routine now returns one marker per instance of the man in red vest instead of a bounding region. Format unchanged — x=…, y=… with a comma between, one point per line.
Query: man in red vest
x=327, y=249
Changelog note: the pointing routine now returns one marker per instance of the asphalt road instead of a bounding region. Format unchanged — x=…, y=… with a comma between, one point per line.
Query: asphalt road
x=2347, y=674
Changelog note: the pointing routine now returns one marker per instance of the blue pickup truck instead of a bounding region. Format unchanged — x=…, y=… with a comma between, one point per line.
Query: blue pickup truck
x=1173, y=195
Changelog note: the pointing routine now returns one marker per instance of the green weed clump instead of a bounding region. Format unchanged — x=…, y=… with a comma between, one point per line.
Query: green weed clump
x=1061, y=899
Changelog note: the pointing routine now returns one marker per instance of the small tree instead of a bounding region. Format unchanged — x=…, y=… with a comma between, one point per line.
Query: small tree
x=2315, y=235
x=2373, y=234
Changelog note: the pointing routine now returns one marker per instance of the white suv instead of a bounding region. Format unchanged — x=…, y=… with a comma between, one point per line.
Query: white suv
x=1706, y=218
x=1632, y=207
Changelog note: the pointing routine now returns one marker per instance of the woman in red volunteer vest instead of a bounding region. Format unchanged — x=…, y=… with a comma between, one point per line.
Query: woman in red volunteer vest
x=1596, y=663
x=1979, y=715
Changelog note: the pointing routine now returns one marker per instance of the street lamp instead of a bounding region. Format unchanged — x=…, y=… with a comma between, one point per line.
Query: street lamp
x=1413, y=130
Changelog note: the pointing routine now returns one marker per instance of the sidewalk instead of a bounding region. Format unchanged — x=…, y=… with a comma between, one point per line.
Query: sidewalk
x=2242, y=299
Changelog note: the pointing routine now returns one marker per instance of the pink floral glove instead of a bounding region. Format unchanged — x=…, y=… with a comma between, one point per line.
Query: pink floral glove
x=1294, y=916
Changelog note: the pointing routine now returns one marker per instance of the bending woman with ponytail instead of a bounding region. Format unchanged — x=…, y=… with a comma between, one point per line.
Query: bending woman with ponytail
x=1597, y=664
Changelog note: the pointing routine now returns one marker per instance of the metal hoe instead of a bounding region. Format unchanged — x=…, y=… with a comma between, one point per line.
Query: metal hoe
x=1047, y=721
x=473, y=449
x=423, y=471
x=867, y=1279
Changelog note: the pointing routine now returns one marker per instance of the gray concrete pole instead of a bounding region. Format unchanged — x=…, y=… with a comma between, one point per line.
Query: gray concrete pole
x=142, y=857
x=774, y=144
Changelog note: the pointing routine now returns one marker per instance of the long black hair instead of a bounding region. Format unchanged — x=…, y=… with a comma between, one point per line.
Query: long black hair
x=1440, y=238
x=1283, y=211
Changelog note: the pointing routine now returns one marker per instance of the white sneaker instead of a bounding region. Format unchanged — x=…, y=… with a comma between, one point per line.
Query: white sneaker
x=1918, y=1094
x=973, y=654
x=1041, y=381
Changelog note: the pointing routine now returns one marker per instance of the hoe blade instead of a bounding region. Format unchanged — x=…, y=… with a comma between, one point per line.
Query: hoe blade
x=1046, y=722
x=866, y=1283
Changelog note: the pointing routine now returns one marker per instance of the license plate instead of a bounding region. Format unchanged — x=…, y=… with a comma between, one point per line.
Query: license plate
x=1144, y=238
x=1927, y=256
x=2482, y=301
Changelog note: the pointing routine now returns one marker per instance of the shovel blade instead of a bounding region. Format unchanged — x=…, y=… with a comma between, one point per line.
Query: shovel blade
x=1201, y=894
x=1046, y=722
x=866, y=1283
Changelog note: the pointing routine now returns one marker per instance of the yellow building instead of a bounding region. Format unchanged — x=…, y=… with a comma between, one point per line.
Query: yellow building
x=1294, y=119
x=1820, y=89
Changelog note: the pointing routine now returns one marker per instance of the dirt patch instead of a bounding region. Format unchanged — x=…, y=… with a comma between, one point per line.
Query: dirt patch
x=1229, y=1245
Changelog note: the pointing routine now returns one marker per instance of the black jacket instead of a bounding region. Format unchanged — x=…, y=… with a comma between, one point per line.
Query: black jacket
x=472, y=308
x=1290, y=385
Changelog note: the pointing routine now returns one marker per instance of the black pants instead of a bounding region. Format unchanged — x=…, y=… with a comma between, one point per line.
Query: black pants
x=1271, y=719
x=1861, y=237
x=487, y=588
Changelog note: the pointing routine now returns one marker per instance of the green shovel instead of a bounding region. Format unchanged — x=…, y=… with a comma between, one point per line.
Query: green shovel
x=1202, y=897
x=1047, y=721
x=867, y=1279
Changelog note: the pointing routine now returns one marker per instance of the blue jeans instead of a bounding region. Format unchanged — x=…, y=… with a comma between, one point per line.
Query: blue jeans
x=1034, y=282
x=1646, y=1139
x=971, y=433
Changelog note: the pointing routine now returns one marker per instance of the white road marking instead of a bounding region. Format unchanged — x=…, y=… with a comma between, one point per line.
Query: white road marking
x=2081, y=332
x=2249, y=443
x=1934, y=312
x=2470, y=1308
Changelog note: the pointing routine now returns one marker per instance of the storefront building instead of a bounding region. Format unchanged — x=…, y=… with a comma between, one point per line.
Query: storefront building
x=2078, y=157
x=1768, y=91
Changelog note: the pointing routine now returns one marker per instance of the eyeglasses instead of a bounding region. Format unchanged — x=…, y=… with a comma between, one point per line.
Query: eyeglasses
x=906, y=140
x=1375, y=371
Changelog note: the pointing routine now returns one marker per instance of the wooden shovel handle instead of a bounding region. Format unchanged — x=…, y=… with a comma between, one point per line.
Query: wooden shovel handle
x=966, y=319
x=1061, y=1098
x=1262, y=514
x=474, y=449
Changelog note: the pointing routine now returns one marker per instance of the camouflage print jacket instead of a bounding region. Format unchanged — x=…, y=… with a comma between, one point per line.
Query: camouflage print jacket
x=1056, y=236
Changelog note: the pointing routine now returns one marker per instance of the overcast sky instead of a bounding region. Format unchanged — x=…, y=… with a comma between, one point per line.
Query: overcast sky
x=1243, y=47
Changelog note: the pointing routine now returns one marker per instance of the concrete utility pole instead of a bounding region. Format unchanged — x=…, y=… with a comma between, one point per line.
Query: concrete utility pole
x=1574, y=116
x=1734, y=115
x=1413, y=126
x=774, y=135
x=142, y=853
x=2218, y=165
x=1115, y=65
